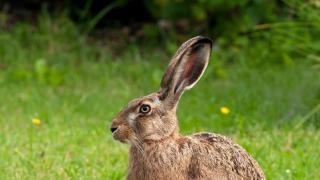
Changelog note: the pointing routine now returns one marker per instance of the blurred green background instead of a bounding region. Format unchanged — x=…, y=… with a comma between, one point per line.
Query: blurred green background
x=67, y=68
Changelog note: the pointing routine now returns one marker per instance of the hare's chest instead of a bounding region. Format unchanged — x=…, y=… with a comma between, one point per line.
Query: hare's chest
x=169, y=163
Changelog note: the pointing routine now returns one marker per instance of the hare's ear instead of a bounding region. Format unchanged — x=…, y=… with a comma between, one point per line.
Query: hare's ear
x=186, y=67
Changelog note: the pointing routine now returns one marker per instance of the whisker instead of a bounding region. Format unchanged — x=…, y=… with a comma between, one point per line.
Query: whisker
x=138, y=144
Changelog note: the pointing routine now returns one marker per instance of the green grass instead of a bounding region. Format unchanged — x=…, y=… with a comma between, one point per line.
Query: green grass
x=56, y=76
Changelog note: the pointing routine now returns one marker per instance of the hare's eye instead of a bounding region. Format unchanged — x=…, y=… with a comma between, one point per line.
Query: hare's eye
x=144, y=109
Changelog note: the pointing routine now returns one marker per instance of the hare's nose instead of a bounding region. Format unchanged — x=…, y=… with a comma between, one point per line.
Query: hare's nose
x=113, y=129
x=114, y=126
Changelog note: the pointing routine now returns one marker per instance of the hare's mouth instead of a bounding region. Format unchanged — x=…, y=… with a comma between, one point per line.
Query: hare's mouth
x=115, y=134
x=118, y=137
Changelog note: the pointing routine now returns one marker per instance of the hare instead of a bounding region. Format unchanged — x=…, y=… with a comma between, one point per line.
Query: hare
x=157, y=150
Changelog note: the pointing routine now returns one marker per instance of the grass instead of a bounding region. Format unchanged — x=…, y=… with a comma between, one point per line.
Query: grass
x=53, y=74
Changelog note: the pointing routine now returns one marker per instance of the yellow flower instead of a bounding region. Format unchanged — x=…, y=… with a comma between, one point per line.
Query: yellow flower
x=36, y=121
x=224, y=110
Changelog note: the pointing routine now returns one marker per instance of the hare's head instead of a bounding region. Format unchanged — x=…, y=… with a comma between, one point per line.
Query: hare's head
x=153, y=117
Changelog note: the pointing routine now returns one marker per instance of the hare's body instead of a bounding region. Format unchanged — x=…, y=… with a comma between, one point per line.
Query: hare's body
x=200, y=156
x=150, y=125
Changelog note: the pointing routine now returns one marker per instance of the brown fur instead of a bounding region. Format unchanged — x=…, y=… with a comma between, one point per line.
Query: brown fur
x=157, y=149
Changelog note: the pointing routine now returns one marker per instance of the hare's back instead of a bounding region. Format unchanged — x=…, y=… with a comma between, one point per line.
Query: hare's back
x=215, y=151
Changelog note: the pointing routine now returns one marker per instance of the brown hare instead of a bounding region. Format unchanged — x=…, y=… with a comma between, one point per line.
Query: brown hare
x=150, y=125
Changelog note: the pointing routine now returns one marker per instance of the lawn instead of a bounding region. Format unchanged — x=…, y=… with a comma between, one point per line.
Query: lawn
x=274, y=109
